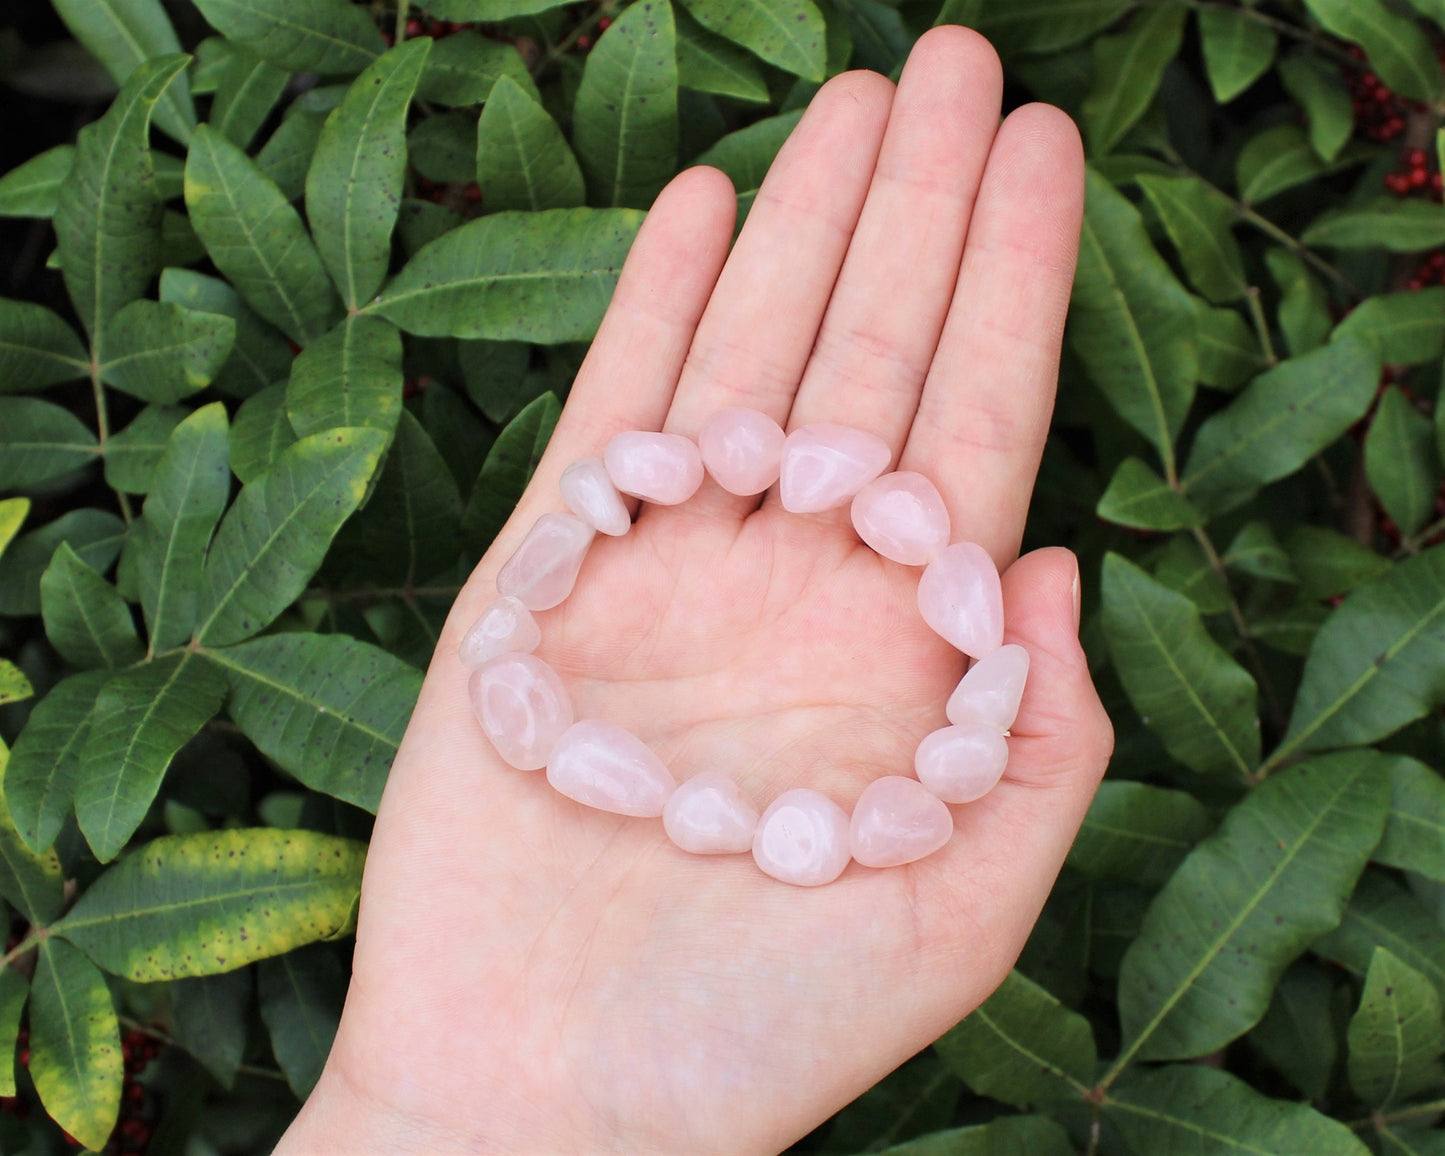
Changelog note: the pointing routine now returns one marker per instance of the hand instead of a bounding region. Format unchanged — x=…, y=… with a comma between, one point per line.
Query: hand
x=532, y=976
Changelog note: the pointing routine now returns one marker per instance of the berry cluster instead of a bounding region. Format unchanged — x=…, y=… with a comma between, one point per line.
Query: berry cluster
x=1431, y=270
x=1414, y=174
x=428, y=27
x=1380, y=113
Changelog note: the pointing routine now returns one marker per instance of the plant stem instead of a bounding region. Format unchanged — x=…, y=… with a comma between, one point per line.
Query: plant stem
x=568, y=42
x=403, y=10
x=29, y=943
x=1261, y=324
x=1382, y=1120
x=1416, y=541
x=102, y=433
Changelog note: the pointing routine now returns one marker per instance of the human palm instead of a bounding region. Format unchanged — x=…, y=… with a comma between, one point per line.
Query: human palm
x=534, y=976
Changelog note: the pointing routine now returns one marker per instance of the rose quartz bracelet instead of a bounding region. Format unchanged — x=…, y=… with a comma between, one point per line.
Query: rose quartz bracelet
x=803, y=836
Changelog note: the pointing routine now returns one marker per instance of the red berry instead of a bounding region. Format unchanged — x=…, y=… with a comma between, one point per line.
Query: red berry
x=413, y=27
x=584, y=43
x=135, y=1093
x=604, y=24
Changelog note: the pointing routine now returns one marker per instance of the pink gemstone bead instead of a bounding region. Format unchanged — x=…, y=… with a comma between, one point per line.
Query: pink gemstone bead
x=990, y=692
x=590, y=494
x=710, y=815
x=802, y=838
x=824, y=465
x=742, y=450
x=961, y=598
x=543, y=570
x=961, y=764
x=897, y=821
x=522, y=706
x=902, y=516
x=504, y=627
x=601, y=765
x=661, y=468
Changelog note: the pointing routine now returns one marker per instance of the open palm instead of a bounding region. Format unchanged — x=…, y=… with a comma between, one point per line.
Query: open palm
x=534, y=976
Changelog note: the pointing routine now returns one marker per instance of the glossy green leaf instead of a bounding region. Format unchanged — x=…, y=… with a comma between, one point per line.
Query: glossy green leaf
x=75, y=1057
x=247, y=89
x=1229, y=352
x=1128, y=67
x=1135, y=833
x=350, y=377
x=1140, y=498
x=1396, y=1035
x=787, y=33
x=508, y=468
x=213, y=901
x=162, y=353
x=1400, y=459
x=545, y=277
x=1404, y=328
x=1330, y=564
x=1256, y=551
x=301, y=996
x=32, y=881
x=260, y=434
x=1397, y=47
x=14, y=990
x=1246, y=902
x=37, y=348
x=1238, y=49
x=33, y=189
x=286, y=155
x=96, y=535
x=1282, y=158
x=1304, y=306
x=746, y=155
x=86, y=620
x=523, y=160
x=333, y=37
x=256, y=238
x=327, y=708
x=624, y=120
x=1279, y=422
x=708, y=63
x=1387, y=223
x=1291, y=630
x=1318, y=88
x=1297, y=1033
x=210, y=1015
x=1415, y=830
x=353, y=189
x=464, y=67
x=1383, y=914
x=131, y=455
x=40, y=441
x=1191, y=693
x=1198, y=221
x=277, y=532
x=260, y=355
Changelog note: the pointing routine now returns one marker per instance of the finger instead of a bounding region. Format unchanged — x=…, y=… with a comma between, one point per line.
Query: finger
x=883, y=321
x=753, y=341
x=986, y=405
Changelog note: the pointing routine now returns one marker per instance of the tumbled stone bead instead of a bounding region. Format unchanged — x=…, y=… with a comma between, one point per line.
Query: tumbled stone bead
x=902, y=516
x=802, y=838
x=710, y=815
x=504, y=627
x=961, y=598
x=824, y=465
x=601, y=765
x=661, y=468
x=990, y=692
x=522, y=706
x=543, y=570
x=742, y=450
x=961, y=764
x=590, y=494
x=896, y=821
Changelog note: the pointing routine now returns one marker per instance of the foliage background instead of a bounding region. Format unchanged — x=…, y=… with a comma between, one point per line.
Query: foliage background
x=268, y=385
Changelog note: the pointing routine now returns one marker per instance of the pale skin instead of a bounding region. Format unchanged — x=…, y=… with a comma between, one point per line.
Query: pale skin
x=535, y=977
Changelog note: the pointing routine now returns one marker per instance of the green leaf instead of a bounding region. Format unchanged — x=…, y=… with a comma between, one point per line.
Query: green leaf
x=143, y=716
x=1304, y=307
x=1229, y=353
x=1256, y=551
x=624, y=120
x=333, y=37
x=1198, y=700
x=1396, y=1035
x=131, y=455
x=14, y=989
x=301, y=996
x=247, y=89
x=96, y=536
x=353, y=189
x=1022, y=1047
x=1238, y=49
x=1135, y=833
x=1383, y=914
x=13, y=512
x=508, y=468
x=1004, y=1136
x=708, y=63
x=1404, y=328
x=260, y=355
x=464, y=67
x=32, y=881
x=1140, y=498
x=1041, y=26
x=351, y=377
x=37, y=348
x=1415, y=830
x=443, y=147
x=523, y=160
x=276, y=534
x=1183, y=567
x=916, y=1098
x=1316, y=86
x=1400, y=459
x=327, y=708
x=286, y=156
x=545, y=277
x=464, y=11
x=40, y=441
x=787, y=33
x=1133, y=323
x=1188, y=1108
x=210, y=1015
x=1279, y=422
x=1198, y=221
x=32, y=189
x=213, y=901
x=256, y=238
x=1385, y=223
x=1397, y=47
x=881, y=38
x=162, y=353
x=191, y=487
x=1330, y=564
x=746, y=155
x=86, y=620
x=1297, y=1033
x=75, y=1057
x=1246, y=902
x=1399, y=1141
x=1127, y=70
x=1281, y=158
x=14, y=686
x=123, y=35
x=260, y=434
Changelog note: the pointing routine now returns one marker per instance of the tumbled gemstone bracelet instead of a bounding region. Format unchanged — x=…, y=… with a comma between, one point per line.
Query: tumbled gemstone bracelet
x=803, y=836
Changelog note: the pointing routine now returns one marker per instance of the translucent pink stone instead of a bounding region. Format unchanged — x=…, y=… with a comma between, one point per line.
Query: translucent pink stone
x=543, y=570
x=961, y=764
x=961, y=598
x=742, y=450
x=897, y=821
x=522, y=706
x=802, y=838
x=590, y=494
x=990, y=692
x=504, y=627
x=902, y=516
x=661, y=468
x=824, y=465
x=710, y=815
x=601, y=765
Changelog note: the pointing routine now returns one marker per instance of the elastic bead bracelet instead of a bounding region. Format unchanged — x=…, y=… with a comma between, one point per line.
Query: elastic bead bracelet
x=803, y=836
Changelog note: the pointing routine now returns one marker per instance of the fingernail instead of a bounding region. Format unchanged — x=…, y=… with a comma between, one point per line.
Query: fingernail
x=1078, y=597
